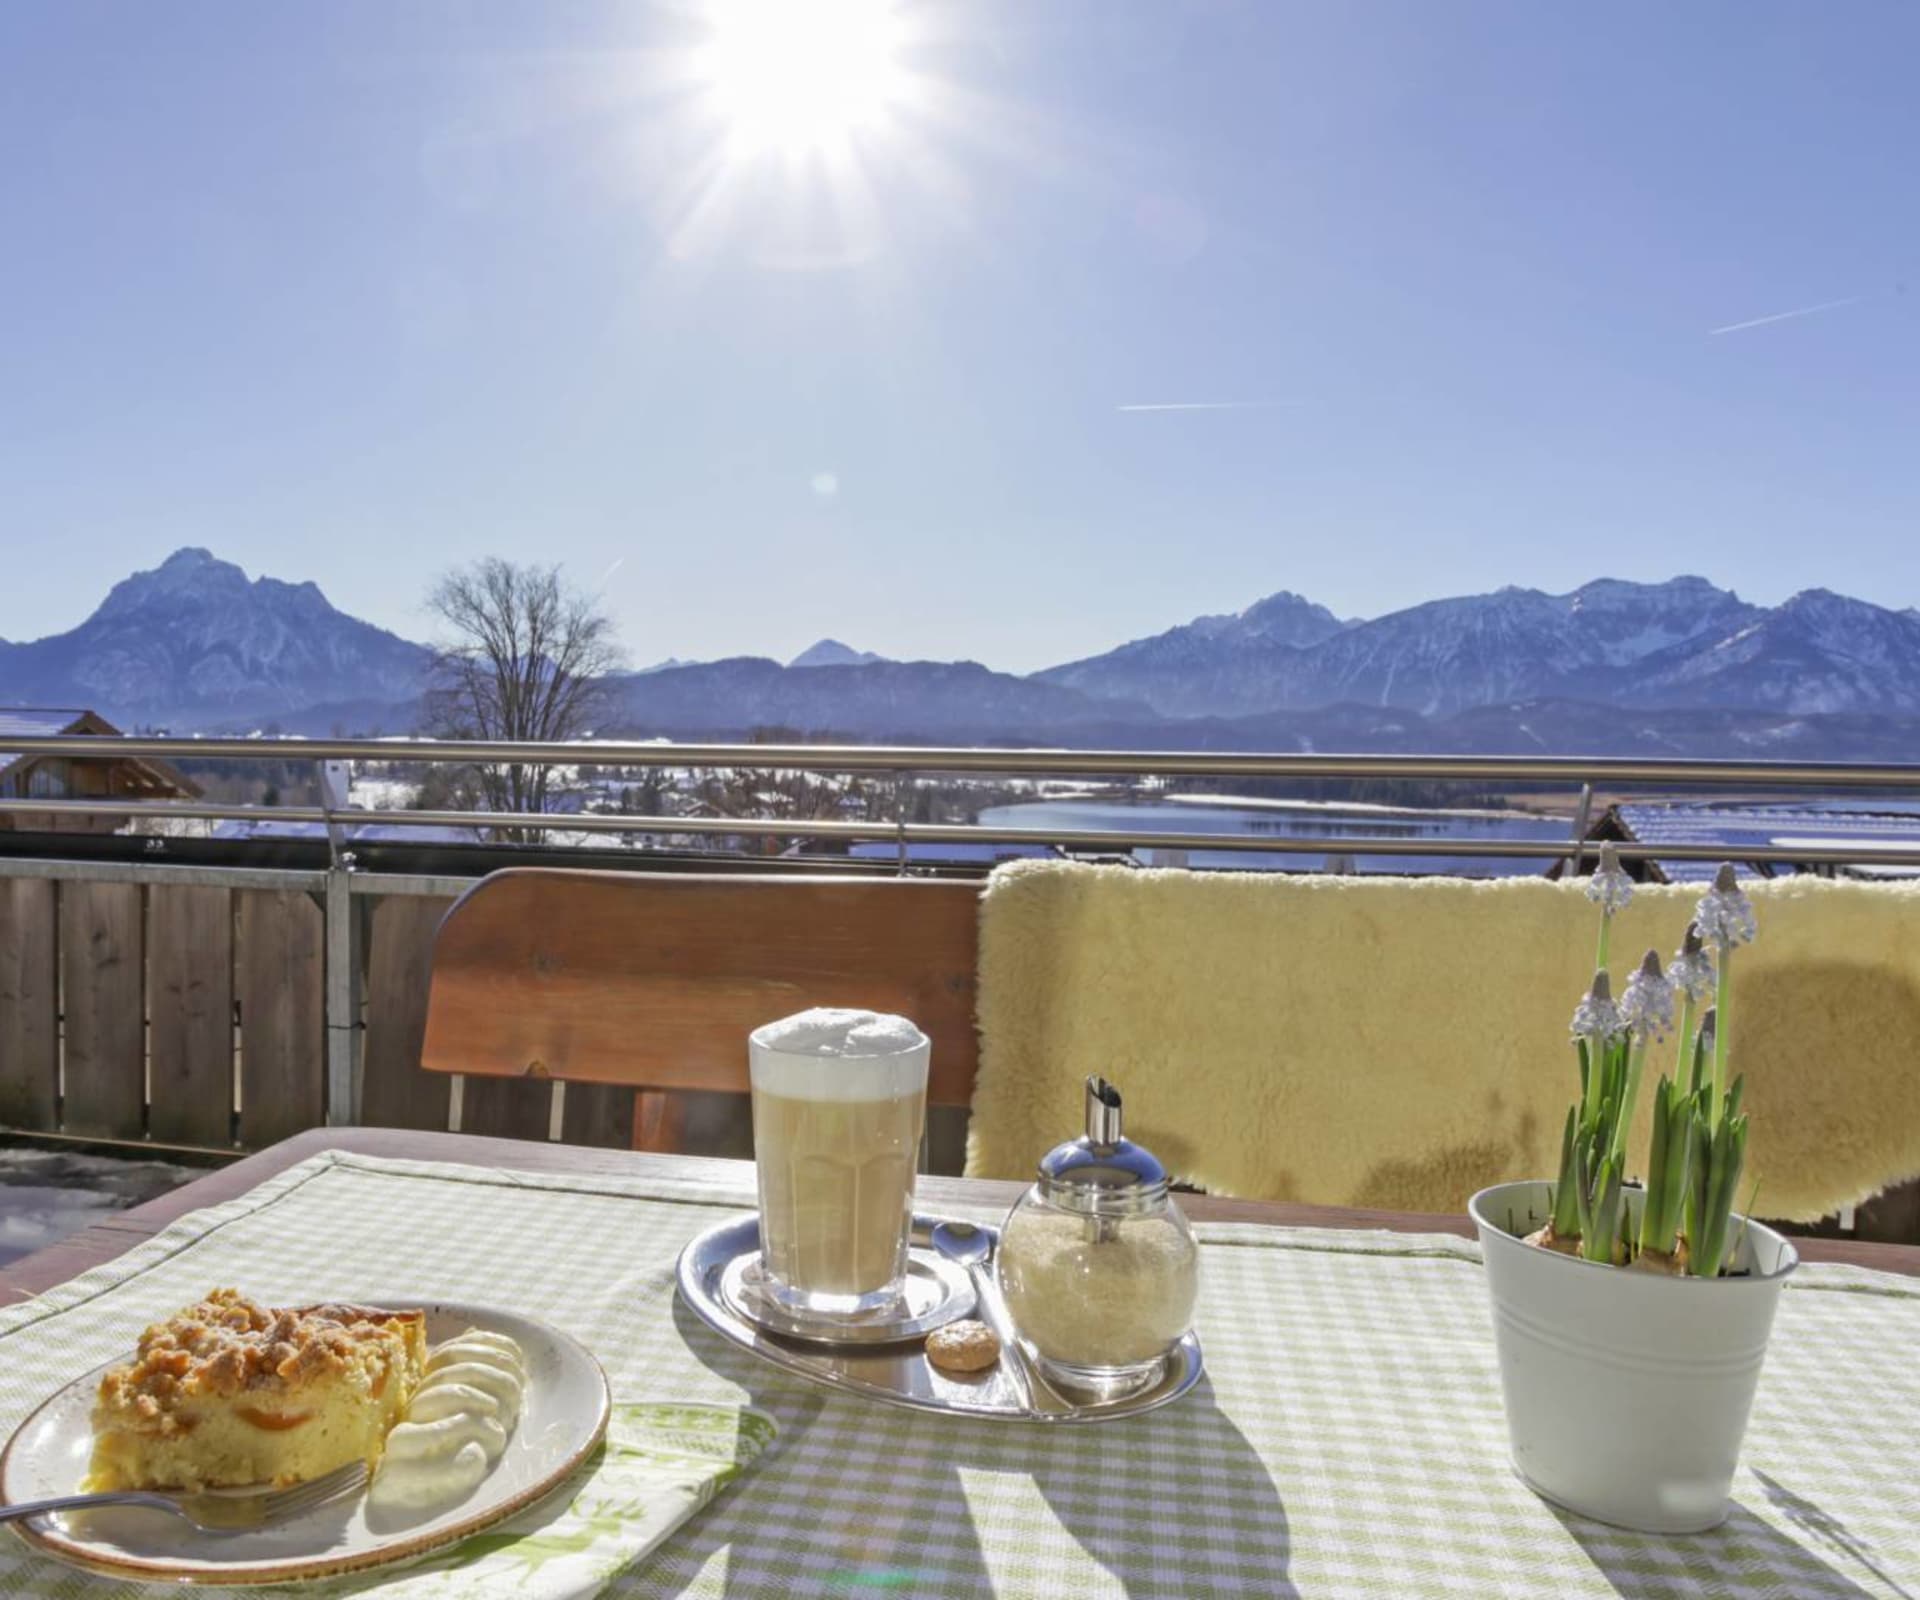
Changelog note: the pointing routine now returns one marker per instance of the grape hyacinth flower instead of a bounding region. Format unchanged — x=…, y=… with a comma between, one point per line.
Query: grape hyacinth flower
x=1725, y=914
x=1725, y=918
x=1692, y=973
x=1612, y=890
x=1597, y=1019
x=1647, y=1011
x=1691, y=970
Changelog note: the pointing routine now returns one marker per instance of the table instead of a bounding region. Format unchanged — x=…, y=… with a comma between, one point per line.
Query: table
x=1347, y=1440
x=104, y=1240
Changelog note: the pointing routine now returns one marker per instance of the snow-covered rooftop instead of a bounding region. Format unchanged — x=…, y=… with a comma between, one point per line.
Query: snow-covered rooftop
x=1732, y=827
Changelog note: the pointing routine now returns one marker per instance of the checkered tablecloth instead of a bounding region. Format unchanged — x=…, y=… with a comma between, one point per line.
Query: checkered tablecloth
x=1347, y=1439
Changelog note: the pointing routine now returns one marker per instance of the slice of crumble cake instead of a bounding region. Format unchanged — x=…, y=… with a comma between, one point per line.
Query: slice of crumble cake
x=229, y=1393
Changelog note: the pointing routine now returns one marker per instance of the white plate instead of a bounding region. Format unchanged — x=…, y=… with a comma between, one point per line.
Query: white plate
x=562, y=1423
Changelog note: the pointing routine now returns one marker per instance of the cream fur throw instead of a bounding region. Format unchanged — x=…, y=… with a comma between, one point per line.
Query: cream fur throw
x=1400, y=1043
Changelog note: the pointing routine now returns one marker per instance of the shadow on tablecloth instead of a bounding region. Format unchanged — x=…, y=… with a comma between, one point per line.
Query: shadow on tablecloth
x=1745, y=1552
x=1174, y=1504
x=856, y=1498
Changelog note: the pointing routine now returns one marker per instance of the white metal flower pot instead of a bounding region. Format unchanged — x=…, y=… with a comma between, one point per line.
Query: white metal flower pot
x=1627, y=1392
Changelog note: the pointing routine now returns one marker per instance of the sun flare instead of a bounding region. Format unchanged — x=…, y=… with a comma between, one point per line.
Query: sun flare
x=800, y=75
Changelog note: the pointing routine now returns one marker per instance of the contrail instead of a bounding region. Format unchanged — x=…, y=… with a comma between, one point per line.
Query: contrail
x=1197, y=405
x=1785, y=316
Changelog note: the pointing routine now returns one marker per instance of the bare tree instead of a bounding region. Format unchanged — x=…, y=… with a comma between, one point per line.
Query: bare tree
x=525, y=657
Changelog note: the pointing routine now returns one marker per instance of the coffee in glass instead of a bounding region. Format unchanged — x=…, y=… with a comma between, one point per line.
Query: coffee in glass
x=839, y=1105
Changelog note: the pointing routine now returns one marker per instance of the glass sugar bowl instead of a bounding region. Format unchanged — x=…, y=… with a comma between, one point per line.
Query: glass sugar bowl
x=1096, y=1264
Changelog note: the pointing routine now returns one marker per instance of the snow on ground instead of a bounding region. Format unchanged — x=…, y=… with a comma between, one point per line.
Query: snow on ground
x=47, y=1194
x=382, y=794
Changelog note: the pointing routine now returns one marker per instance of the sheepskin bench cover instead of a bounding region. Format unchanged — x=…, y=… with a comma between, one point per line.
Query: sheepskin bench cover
x=1400, y=1043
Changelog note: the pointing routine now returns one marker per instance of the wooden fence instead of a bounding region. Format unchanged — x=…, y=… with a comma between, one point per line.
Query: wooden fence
x=195, y=1015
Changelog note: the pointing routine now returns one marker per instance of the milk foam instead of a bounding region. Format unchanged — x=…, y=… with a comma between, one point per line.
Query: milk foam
x=831, y=1053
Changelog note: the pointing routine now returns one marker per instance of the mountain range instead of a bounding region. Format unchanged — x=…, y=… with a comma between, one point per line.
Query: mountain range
x=1617, y=667
x=1682, y=644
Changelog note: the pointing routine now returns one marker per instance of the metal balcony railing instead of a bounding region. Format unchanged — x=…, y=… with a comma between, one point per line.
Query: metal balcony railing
x=908, y=762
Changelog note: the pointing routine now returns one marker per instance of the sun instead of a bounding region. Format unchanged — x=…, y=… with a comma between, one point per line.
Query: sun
x=802, y=75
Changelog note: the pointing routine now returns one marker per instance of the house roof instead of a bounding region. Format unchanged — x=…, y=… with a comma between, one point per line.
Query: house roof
x=1732, y=826
x=37, y=722
x=46, y=722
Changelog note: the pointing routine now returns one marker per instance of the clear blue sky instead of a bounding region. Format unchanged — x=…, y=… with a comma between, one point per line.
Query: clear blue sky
x=353, y=291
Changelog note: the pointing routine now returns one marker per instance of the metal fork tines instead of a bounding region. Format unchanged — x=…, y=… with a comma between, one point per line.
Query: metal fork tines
x=216, y=1511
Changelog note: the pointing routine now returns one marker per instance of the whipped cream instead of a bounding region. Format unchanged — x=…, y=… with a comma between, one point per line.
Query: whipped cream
x=457, y=1424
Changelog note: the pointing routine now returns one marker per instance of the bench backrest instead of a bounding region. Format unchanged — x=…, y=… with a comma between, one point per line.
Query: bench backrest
x=654, y=980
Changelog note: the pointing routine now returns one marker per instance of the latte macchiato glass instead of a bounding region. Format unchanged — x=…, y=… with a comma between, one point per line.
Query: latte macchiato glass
x=839, y=1103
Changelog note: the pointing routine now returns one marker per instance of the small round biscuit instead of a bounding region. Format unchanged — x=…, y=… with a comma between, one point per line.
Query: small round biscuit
x=963, y=1347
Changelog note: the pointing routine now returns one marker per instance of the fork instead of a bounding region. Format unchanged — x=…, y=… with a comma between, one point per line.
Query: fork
x=227, y=1511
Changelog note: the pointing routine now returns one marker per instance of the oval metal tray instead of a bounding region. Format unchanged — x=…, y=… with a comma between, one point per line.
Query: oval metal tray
x=897, y=1374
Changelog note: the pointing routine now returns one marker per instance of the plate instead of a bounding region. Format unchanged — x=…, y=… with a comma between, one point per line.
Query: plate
x=895, y=1374
x=936, y=1292
x=561, y=1423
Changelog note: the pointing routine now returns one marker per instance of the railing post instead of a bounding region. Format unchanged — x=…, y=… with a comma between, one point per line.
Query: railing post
x=901, y=855
x=343, y=952
x=1582, y=819
x=344, y=1033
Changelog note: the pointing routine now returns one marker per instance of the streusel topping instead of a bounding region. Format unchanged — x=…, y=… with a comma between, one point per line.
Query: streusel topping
x=227, y=1344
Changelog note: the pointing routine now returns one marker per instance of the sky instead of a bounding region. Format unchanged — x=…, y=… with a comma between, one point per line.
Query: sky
x=995, y=330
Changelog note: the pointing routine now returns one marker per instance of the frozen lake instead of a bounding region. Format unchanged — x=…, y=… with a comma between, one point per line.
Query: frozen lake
x=1138, y=821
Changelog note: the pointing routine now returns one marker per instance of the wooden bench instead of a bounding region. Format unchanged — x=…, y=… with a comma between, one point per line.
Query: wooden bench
x=654, y=980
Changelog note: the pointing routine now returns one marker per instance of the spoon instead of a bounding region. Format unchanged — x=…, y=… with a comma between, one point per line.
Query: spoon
x=967, y=1246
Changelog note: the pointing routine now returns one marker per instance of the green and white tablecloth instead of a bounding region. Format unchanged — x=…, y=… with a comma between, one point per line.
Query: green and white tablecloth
x=1347, y=1440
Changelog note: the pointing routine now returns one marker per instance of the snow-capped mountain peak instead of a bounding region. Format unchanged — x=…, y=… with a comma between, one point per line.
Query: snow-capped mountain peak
x=195, y=640
x=832, y=653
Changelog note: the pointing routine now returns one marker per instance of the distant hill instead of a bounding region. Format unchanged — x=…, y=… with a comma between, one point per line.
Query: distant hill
x=1535, y=728
x=928, y=700
x=195, y=642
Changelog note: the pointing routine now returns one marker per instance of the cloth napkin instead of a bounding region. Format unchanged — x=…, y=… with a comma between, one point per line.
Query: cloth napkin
x=661, y=1463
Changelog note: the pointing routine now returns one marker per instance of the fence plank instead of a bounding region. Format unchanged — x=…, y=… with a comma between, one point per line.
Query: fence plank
x=29, y=1005
x=507, y=1108
x=283, y=1025
x=101, y=961
x=597, y=1114
x=395, y=1093
x=190, y=1015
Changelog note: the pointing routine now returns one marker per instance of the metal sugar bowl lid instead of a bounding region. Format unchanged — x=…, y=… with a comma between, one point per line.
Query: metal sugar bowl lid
x=1103, y=1173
